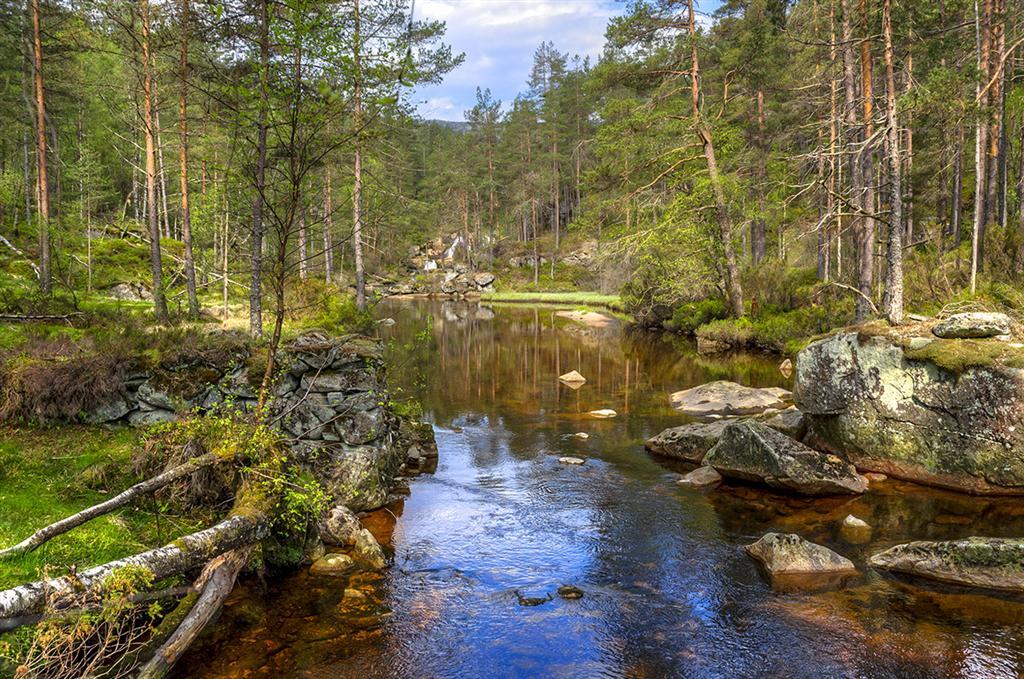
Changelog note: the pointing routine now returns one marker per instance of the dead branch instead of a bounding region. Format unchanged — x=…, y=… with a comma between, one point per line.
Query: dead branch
x=215, y=584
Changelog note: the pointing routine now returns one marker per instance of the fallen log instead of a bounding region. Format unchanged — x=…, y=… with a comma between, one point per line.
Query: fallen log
x=39, y=318
x=215, y=583
x=43, y=535
x=185, y=554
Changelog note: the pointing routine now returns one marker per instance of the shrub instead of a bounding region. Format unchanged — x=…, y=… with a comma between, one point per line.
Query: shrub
x=692, y=315
x=736, y=332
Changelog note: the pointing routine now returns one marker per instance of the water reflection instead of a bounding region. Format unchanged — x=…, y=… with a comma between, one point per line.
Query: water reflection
x=669, y=591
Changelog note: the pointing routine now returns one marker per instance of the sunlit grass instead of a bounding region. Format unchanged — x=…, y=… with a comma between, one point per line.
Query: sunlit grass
x=593, y=299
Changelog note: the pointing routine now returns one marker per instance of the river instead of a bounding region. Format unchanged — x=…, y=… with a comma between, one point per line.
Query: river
x=668, y=589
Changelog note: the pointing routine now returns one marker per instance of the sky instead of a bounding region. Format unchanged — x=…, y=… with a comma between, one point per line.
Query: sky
x=499, y=37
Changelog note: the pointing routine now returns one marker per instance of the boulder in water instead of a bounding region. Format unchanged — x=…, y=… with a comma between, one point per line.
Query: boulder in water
x=603, y=413
x=991, y=563
x=571, y=460
x=790, y=422
x=728, y=398
x=751, y=451
x=790, y=554
x=332, y=565
x=689, y=442
x=949, y=414
x=855, y=531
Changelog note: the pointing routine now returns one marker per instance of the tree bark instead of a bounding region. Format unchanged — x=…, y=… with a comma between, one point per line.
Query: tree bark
x=328, y=229
x=734, y=289
x=981, y=25
x=357, y=166
x=256, y=256
x=44, y=535
x=186, y=212
x=182, y=555
x=148, y=119
x=42, y=181
x=866, y=237
x=894, y=259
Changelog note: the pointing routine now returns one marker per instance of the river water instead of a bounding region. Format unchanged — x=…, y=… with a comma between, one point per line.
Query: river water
x=668, y=589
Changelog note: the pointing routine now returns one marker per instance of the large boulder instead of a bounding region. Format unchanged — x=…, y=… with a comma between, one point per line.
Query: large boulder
x=751, y=451
x=689, y=442
x=973, y=326
x=728, y=398
x=947, y=412
x=992, y=563
x=790, y=554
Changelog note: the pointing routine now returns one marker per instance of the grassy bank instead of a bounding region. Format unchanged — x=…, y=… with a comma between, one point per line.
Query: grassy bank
x=581, y=298
x=49, y=473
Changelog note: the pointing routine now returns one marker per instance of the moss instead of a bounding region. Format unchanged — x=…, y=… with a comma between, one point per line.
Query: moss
x=37, y=487
x=958, y=356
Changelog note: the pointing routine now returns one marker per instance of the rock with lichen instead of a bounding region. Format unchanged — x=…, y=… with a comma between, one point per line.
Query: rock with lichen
x=752, y=451
x=948, y=413
x=991, y=563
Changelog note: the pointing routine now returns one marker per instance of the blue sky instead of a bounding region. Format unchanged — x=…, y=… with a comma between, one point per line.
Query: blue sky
x=499, y=38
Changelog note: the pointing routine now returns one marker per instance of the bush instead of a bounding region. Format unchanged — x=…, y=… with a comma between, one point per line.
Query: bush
x=736, y=332
x=692, y=315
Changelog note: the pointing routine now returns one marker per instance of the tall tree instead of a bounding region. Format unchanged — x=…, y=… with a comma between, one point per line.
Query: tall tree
x=184, y=11
x=42, y=177
x=894, y=260
x=149, y=131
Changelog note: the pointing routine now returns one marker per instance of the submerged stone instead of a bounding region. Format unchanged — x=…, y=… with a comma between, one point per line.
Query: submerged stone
x=991, y=563
x=570, y=592
x=702, y=477
x=751, y=451
x=855, y=531
x=332, y=565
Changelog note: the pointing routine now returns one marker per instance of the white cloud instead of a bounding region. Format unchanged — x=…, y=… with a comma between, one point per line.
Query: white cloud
x=499, y=37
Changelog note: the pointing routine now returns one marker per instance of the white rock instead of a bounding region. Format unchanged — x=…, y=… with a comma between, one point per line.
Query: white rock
x=571, y=460
x=582, y=435
x=603, y=413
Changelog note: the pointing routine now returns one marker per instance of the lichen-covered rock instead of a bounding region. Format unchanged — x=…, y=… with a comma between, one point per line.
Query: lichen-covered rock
x=973, y=325
x=790, y=554
x=950, y=414
x=358, y=477
x=110, y=411
x=751, y=451
x=992, y=563
x=341, y=528
x=728, y=398
x=689, y=442
x=332, y=565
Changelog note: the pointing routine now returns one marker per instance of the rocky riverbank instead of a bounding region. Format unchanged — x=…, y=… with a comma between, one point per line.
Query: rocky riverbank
x=938, y=403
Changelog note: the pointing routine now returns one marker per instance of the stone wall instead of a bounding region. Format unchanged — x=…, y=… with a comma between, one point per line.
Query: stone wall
x=329, y=400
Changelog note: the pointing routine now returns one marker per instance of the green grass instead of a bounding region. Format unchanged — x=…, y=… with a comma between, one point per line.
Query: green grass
x=593, y=299
x=47, y=474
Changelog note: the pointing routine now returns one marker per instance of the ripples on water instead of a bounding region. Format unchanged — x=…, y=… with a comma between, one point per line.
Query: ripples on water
x=669, y=591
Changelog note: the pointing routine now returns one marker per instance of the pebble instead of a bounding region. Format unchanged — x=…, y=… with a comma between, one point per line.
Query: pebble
x=582, y=435
x=603, y=413
x=571, y=460
x=570, y=592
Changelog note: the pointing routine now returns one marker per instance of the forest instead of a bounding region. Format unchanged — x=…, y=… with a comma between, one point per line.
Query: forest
x=252, y=291
x=707, y=156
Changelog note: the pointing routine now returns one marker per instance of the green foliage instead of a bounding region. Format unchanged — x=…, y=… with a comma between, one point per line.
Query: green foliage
x=691, y=315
